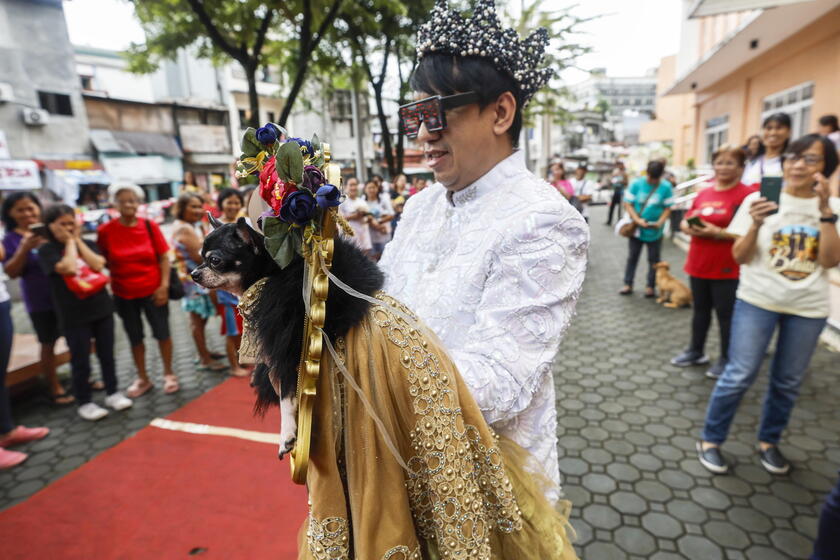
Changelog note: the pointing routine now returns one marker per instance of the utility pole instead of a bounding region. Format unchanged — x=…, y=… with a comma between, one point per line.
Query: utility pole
x=361, y=170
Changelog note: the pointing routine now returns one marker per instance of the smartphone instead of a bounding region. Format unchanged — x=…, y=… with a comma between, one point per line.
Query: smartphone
x=38, y=229
x=771, y=188
x=695, y=221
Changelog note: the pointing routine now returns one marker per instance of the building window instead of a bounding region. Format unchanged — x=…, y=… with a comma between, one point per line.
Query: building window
x=55, y=103
x=717, y=133
x=796, y=102
x=342, y=104
x=243, y=118
x=87, y=83
x=270, y=115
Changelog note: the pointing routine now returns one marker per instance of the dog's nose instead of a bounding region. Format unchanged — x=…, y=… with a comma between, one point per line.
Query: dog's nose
x=195, y=275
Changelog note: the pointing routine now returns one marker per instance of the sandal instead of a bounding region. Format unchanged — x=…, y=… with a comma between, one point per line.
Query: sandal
x=97, y=386
x=650, y=293
x=137, y=389
x=625, y=291
x=212, y=366
x=62, y=399
x=170, y=384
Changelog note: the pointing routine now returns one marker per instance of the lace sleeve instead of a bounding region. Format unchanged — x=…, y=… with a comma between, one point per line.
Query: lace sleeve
x=534, y=279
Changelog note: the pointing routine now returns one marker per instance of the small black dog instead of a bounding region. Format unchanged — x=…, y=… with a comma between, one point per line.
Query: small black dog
x=235, y=257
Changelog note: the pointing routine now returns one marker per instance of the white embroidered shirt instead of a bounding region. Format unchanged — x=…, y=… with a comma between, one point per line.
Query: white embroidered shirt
x=495, y=271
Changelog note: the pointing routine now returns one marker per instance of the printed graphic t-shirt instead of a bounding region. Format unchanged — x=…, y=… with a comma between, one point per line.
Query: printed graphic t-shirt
x=712, y=258
x=784, y=275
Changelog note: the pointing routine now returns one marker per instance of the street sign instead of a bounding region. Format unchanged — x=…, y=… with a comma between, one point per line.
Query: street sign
x=19, y=175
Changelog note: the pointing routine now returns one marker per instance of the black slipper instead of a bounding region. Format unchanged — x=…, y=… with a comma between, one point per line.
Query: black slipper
x=97, y=386
x=625, y=291
x=650, y=295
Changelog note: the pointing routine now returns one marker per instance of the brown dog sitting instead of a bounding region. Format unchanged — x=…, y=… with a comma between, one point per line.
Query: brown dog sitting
x=672, y=292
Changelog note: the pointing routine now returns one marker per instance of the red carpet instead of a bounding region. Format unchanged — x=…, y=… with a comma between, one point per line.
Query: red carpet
x=163, y=494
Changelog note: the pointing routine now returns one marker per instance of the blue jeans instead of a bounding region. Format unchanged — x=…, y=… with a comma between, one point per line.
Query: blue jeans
x=6, y=335
x=827, y=545
x=752, y=329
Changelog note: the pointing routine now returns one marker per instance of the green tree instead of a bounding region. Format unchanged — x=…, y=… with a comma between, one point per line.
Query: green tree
x=243, y=30
x=380, y=34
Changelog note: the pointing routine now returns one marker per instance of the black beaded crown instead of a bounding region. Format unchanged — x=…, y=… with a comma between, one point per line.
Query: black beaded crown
x=482, y=35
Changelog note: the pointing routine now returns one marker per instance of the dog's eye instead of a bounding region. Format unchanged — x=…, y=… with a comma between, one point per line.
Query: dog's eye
x=214, y=260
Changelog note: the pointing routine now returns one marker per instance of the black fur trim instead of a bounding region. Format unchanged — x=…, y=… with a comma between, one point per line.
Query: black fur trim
x=278, y=316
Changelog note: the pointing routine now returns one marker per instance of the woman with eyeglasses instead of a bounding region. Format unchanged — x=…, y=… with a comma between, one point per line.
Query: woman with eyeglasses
x=775, y=135
x=785, y=251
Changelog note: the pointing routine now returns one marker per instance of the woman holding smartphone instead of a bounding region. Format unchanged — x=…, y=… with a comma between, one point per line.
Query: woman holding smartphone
x=712, y=270
x=785, y=251
x=21, y=212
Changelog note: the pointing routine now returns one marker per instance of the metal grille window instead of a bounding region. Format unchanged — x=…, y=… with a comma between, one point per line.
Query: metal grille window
x=55, y=103
x=342, y=104
x=796, y=102
x=717, y=134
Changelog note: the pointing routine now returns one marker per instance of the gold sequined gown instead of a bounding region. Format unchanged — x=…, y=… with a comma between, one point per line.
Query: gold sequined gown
x=464, y=494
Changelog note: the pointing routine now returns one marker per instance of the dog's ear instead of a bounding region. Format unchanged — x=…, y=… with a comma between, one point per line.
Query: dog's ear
x=249, y=235
x=213, y=220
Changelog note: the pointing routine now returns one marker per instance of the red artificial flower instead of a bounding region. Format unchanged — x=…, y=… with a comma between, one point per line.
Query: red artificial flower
x=272, y=189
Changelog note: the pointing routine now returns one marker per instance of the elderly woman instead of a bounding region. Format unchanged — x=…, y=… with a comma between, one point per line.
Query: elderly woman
x=710, y=265
x=187, y=238
x=20, y=211
x=137, y=256
x=785, y=251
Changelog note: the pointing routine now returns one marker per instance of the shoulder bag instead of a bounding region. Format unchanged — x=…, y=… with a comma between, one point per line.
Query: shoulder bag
x=626, y=227
x=86, y=282
x=176, y=290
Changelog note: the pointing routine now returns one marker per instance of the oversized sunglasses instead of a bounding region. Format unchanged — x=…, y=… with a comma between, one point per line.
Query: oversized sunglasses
x=432, y=111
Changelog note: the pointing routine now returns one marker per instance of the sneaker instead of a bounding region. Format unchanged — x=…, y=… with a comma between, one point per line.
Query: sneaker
x=773, y=461
x=716, y=370
x=22, y=434
x=92, y=411
x=118, y=401
x=712, y=459
x=9, y=459
x=690, y=358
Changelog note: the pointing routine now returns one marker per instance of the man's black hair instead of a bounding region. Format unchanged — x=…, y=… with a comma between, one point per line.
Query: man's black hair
x=443, y=74
x=655, y=169
x=830, y=121
x=226, y=194
x=829, y=151
x=9, y=203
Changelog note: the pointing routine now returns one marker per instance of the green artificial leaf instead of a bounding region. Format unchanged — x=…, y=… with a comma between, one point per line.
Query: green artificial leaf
x=282, y=247
x=290, y=162
x=250, y=145
x=274, y=226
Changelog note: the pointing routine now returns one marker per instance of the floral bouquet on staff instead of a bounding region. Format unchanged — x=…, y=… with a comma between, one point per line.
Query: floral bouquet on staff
x=297, y=182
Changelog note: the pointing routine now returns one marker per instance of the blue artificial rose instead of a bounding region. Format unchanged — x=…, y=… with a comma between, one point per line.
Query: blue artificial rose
x=268, y=134
x=306, y=147
x=328, y=196
x=313, y=178
x=298, y=207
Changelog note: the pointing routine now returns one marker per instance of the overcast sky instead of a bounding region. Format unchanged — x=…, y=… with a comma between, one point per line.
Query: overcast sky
x=628, y=39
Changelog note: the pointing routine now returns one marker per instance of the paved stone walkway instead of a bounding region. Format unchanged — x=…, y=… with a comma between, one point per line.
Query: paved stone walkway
x=73, y=441
x=628, y=422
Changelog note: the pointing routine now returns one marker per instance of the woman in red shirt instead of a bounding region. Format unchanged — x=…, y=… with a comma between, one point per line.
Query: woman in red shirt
x=137, y=256
x=710, y=265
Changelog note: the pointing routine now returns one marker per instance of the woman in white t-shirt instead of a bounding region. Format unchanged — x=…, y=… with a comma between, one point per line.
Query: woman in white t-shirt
x=355, y=211
x=785, y=251
x=775, y=133
x=381, y=214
